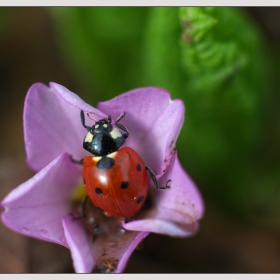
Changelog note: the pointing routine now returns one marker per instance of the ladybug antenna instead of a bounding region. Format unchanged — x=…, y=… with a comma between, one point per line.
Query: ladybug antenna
x=109, y=119
x=90, y=117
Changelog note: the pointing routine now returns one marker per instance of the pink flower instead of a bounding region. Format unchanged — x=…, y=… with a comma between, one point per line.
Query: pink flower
x=40, y=207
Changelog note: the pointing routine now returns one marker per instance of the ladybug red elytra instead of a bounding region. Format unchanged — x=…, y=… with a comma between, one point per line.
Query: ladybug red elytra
x=116, y=180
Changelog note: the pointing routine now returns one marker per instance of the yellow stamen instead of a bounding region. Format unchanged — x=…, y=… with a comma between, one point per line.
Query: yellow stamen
x=79, y=192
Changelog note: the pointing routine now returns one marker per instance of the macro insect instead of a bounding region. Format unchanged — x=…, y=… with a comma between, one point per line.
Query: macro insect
x=116, y=180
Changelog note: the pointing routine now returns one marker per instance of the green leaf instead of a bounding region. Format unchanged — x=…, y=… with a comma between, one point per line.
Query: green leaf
x=211, y=58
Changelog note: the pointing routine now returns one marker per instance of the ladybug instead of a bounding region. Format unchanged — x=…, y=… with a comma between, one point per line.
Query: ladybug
x=116, y=180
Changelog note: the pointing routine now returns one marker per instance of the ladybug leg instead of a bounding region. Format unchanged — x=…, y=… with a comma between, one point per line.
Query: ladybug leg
x=84, y=205
x=121, y=117
x=77, y=161
x=126, y=132
x=152, y=174
x=82, y=116
x=167, y=186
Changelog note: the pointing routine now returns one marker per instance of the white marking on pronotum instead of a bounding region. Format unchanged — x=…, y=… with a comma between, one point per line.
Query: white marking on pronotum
x=96, y=158
x=115, y=133
x=89, y=137
x=96, y=126
x=105, y=125
x=112, y=155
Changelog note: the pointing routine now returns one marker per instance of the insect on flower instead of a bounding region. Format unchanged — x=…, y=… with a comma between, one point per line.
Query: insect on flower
x=40, y=206
x=116, y=180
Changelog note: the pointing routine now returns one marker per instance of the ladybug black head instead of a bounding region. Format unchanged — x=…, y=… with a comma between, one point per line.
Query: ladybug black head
x=102, y=126
x=102, y=138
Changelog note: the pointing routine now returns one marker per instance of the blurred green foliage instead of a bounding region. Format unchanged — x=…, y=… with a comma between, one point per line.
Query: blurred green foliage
x=5, y=20
x=220, y=75
x=211, y=58
x=102, y=46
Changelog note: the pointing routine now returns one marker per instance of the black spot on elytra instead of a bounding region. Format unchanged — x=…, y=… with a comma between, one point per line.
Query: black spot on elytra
x=140, y=199
x=84, y=181
x=98, y=191
x=138, y=167
x=124, y=185
x=105, y=163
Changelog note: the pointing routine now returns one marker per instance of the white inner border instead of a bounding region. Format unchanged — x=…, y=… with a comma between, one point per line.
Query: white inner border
x=138, y=3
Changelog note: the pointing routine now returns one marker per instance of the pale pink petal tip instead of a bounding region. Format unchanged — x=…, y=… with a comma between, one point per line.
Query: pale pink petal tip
x=36, y=207
x=176, y=211
x=52, y=124
x=153, y=120
x=79, y=245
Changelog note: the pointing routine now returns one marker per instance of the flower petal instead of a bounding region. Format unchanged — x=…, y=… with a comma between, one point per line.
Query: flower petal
x=130, y=247
x=36, y=207
x=78, y=244
x=153, y=120
x=108, y=253
x=162, y=226
x=176, y=211
x=114, y=251
x=52, y=124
